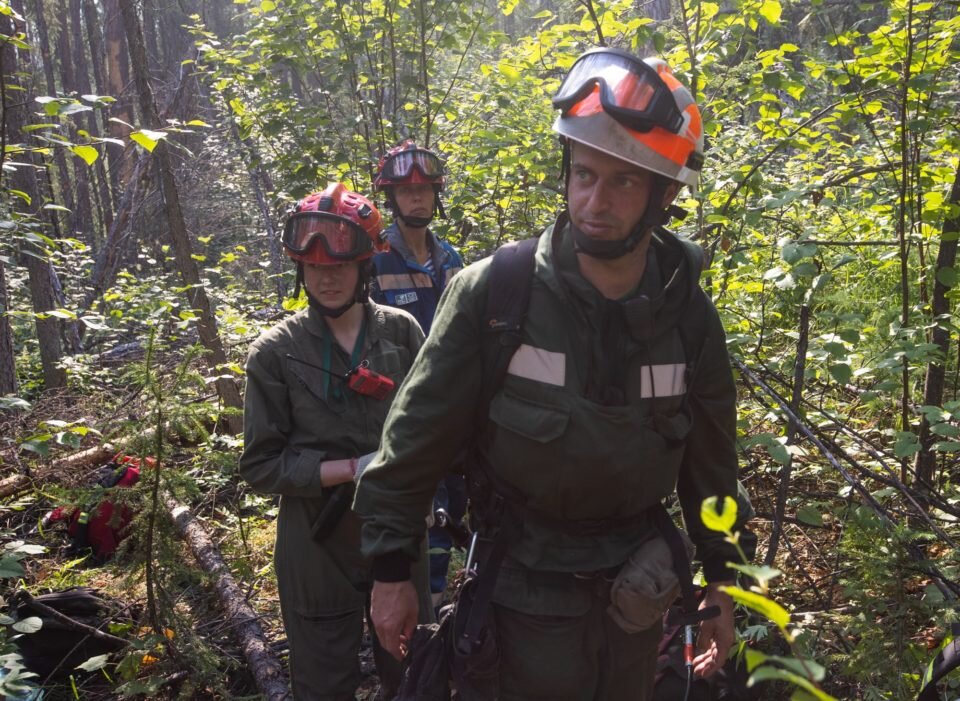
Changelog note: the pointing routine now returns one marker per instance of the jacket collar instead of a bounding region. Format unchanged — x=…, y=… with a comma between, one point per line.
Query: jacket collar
x=439, y=254
x=556, y=266
x=376, y=323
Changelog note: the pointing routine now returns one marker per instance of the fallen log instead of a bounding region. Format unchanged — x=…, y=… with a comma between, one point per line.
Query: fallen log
x=15, y=484
x=264, y=664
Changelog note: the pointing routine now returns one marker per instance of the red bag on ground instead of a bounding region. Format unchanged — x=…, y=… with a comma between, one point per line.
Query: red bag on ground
x=101, y=527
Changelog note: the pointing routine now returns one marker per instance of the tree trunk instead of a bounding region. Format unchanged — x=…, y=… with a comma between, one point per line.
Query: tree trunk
x=8, y=365
x=76, y=186
x=106, y=262
x=264, y=665
x=183, y=252
x=117, y=76
x=62, y=189
x=17, y=63
x=940, y=308
x=102, y=200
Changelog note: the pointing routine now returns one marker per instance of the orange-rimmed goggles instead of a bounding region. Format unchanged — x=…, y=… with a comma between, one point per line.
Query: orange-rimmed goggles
x=630, y=90
x=401, y=164
x=341, y=238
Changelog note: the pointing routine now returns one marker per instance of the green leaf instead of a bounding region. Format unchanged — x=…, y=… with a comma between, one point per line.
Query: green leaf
x=147, y=138
x=771, y=11
x=509, y=72
x=75, y=107
x=722, y=521
x=841, y=372
x=28, y=625
x=10, y=567
x=40, y=446
x=11, y=402
x=94, y=663
x=907, y=444
x=761, y=573
x=762, y=605
x=810, y=515
x=947, y=276
x=268, y=5
x=87, y=153
x=508, y=6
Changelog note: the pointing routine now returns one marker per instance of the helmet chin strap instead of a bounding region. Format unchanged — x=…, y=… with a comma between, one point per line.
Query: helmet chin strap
x=361, y=292
x=417, y=222
x=653, y=217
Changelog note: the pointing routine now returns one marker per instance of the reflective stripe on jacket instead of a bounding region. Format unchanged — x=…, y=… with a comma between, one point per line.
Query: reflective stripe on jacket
x=579, y=436
x=399, y=281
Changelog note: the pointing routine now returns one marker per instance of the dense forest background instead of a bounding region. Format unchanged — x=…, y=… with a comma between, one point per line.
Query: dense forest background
x=149, y=150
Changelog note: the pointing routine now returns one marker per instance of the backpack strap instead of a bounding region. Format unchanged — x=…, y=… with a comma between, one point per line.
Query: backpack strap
x=945, y=662
x=508, y=296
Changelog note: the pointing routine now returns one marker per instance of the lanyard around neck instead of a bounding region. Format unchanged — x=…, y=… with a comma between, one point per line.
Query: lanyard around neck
x=328, y=355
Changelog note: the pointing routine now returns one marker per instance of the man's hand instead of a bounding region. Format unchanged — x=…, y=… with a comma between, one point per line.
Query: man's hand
x=394, y=609
x=716, y=634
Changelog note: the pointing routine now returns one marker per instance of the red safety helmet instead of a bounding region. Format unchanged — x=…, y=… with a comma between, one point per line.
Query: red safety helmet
x=634, y=110
x=407, y=164
x=332, y=227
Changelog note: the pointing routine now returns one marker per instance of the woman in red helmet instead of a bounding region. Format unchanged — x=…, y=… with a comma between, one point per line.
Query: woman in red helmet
x=318, y=388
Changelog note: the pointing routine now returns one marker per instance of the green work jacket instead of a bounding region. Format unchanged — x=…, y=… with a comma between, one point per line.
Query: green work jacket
x=296, y=416
x=594, y=422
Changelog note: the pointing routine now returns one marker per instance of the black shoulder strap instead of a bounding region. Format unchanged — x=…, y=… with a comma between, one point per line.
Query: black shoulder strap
x=945, y=662
x=508, y=296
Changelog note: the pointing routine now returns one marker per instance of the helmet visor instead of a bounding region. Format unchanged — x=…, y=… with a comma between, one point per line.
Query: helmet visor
x=341, y=238
x=400, y=165
x=629, y=90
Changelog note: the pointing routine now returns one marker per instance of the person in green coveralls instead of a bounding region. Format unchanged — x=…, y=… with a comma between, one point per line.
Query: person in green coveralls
x=605, y=410
x=318, y=388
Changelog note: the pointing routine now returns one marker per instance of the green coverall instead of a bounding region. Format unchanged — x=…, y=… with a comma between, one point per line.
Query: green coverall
x=598, y=419
x=296, y=416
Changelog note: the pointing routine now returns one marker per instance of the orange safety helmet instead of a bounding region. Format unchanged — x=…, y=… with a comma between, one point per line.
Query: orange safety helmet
x=332, y=227
x=634, y=110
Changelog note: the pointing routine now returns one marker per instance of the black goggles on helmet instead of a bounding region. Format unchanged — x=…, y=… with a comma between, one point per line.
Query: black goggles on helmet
x=631, y=91
x=341, y=238
x=400, y=165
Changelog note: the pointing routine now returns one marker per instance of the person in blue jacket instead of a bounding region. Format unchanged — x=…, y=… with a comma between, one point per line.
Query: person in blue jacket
x=412, y=275
x=414, y=272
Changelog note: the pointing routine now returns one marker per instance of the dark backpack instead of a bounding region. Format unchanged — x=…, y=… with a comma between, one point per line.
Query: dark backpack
x=57, y=647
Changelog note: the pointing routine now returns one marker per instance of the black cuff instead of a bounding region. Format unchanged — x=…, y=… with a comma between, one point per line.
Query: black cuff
x=391, y=567
x=715, y=569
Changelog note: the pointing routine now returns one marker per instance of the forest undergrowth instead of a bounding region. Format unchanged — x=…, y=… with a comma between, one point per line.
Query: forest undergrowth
x=858, y=589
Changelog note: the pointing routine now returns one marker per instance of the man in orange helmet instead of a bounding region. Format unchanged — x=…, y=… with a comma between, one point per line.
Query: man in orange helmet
x=618, y=394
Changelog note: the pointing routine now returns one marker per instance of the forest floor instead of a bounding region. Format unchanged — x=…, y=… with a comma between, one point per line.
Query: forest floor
x=198, y=657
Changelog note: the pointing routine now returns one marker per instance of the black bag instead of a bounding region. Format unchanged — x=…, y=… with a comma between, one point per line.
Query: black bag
x=426, y=668
x=56, y=649
x=461, y=649
x=474, y=666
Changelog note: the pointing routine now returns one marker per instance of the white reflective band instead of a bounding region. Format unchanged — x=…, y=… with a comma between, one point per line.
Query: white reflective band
x=403, y=281
x=539, y=365
x=663, y=380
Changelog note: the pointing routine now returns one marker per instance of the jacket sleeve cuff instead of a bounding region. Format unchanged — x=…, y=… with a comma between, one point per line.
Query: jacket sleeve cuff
x=392, y=567
x=715, y=569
